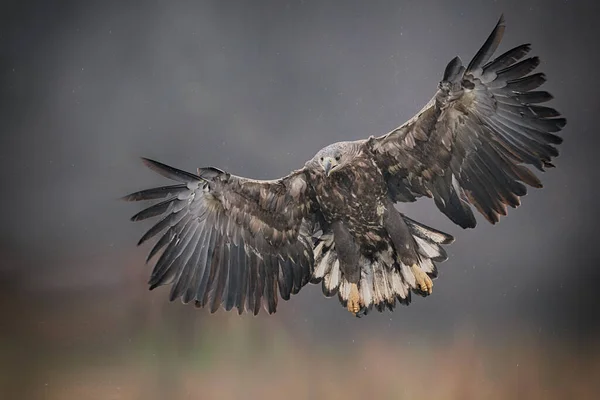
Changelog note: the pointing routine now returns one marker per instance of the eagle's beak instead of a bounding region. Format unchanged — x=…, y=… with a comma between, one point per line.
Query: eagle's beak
x=328, y=164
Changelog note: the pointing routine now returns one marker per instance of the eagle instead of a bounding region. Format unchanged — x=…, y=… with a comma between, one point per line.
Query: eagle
x=229, y=241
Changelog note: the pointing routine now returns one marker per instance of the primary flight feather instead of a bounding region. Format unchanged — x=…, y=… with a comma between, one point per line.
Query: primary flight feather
x=236, y=242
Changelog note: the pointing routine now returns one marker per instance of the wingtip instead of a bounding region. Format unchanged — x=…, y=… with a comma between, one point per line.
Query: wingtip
x=501, y=20
x=453, y=70
x=129, y=197
x=136, y=218
x=489, y=47
x=170, y=172
x=149, y=162
x=469, y=224
x=449, y=239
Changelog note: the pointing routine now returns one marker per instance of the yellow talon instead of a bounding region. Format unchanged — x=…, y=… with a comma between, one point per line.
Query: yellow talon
x=424, y=282
x=353, y=299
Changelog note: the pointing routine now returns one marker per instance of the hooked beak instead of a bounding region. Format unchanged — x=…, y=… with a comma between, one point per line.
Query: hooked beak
x=328, y=164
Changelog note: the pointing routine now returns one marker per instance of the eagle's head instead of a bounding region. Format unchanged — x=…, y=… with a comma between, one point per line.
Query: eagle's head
x=333, y=157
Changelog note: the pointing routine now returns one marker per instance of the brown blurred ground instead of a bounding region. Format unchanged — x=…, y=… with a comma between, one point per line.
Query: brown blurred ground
x=110, y=343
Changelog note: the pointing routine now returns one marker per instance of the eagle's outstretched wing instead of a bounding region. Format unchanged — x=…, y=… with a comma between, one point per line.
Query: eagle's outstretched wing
x=229, y=240
x=469, y=143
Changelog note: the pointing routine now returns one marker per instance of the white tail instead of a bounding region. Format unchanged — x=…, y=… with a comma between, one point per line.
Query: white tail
x=384, y=278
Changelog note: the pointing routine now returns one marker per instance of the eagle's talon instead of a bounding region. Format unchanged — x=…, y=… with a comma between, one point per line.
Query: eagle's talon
x=354, y=299
x=424, y=282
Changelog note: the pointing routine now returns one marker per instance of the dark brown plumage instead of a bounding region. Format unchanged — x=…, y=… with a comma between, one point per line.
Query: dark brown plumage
x=235, y=242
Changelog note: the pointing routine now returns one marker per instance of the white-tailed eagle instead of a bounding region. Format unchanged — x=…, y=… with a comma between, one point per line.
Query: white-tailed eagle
x=237, y=242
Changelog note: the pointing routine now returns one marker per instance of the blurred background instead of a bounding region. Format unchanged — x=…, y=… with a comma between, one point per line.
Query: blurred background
x=256, y=88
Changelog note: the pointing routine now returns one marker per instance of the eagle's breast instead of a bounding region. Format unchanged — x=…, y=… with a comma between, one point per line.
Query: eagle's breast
x=355, y=194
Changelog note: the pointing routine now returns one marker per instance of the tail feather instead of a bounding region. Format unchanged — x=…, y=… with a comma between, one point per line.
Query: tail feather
x=332, y=280
x=427, y=233
x=385, y=280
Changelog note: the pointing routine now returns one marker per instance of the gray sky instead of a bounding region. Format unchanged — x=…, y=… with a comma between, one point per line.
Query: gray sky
x=88, y=88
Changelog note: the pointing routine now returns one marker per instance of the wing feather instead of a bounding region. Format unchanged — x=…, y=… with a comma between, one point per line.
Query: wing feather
x=209, y=268
x=229, y=241
x=471, y=143
x=185, y=270
x=196, y=267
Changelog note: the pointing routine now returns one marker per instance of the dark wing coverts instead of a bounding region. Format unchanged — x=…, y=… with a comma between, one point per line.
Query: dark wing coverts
x=469, y=142
x=229, y=240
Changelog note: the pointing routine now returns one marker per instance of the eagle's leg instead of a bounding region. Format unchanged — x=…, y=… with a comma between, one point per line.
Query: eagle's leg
x=405, y=247
x=403, y=241
x=348, y=253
